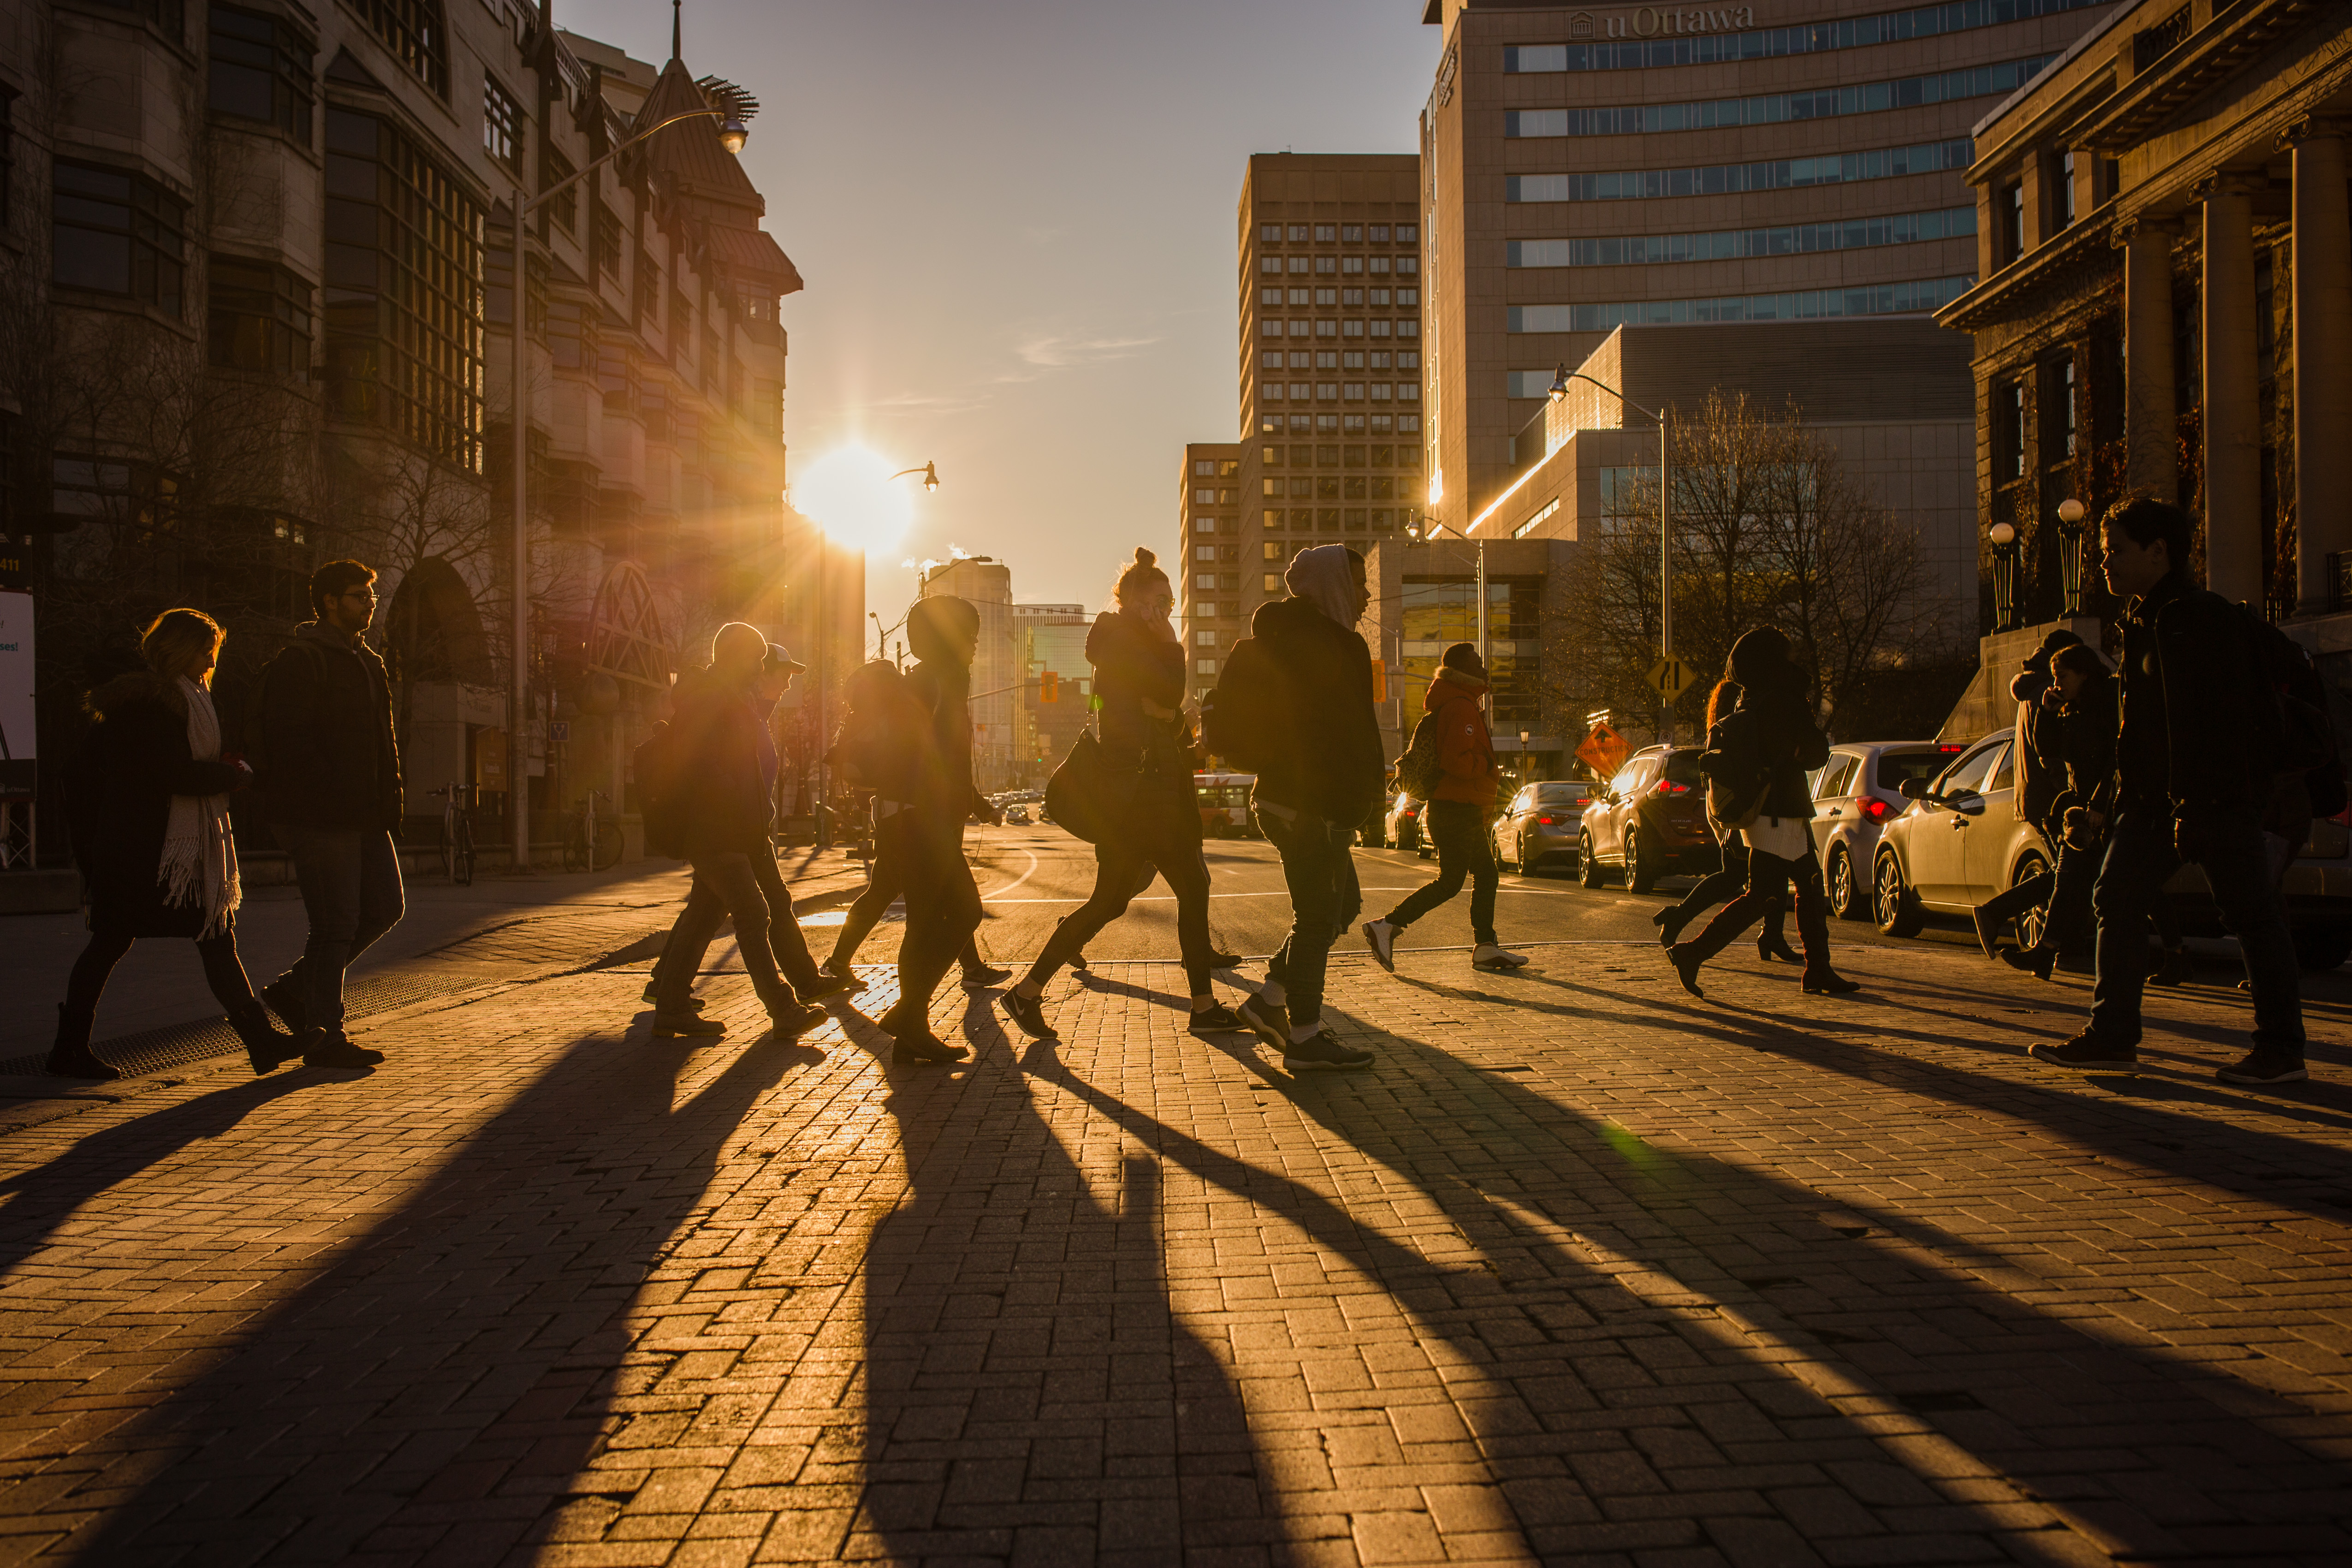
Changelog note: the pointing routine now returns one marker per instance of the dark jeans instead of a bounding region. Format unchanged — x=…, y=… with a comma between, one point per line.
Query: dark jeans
x=224, y=972
x=1320, y=869
x=886, y=882
x=1459, y=830
x=2067, y=891
x=730, y=880
x=697, y=924
x=943, y=911
x=1164, y=833
x=349, y=879
x=2140, y=857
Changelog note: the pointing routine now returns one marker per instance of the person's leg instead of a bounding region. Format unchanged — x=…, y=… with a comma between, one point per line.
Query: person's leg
x=884, y=883
x=327, y=867
x=1485, y=878
x=784, y=940
x=382, y=900
x=224, y=973
x=70, y=1056
x=2238, y=870
x=1767, y=878
x=1723, y=882
x=728, y=874
x=942, y=908
x=2067, y=928
x=2139, y=859
x=1992, y=916
x=1313, y=880
x=691, y=936
x=1115, y=873
x=1453, y=827
x=1813, y=928
x=1186, y=870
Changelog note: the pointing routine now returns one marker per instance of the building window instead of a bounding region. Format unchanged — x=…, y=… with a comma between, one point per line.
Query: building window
x=563, y=211
x=1379, y=264
x=1204, y=498
x=1270, y=233
x=118, y=233
x=1352, y=266
x=1298, y=234
x=1204, y=639
x=1325, y=266
x=2061, y=170
x=1205, y=665
x=1298, y=264
x=605, y=240
x=1407, y=234
x=2012, y=221
x=2009, y=432
x=1726, y=179
x=1325, y=233
x=412, y=31
x=1270, y=264
x=405, y=282
x=572, y=333
x=259, y=317
x=1204, y=552
x=1379, y=234
x=502, y=124
x=1269, y=297
x=260, y=69
x=2058, y=441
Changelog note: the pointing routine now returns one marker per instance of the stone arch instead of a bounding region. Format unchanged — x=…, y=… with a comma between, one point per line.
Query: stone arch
x=434, y=632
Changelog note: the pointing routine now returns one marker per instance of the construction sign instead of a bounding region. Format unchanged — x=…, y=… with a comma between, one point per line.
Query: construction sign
x=1604, y=751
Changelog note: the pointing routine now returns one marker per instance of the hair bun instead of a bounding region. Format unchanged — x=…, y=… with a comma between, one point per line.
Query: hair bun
x=1144, y=557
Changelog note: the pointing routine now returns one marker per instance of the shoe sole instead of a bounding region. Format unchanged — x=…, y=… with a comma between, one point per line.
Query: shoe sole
x=928, y=1058
x=1386, y=960
x=2299, y=1075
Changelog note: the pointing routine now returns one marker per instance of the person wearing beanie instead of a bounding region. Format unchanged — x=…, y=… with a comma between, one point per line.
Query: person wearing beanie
x=1459, y=808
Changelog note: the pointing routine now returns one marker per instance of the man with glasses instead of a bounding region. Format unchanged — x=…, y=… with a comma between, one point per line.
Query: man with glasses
x=330, y=779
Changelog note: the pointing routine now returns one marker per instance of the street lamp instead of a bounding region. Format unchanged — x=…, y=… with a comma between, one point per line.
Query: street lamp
x=1665, y=527
x=1424, y=530
x=2004, y=576
x=2070, y=553
x=734, y=108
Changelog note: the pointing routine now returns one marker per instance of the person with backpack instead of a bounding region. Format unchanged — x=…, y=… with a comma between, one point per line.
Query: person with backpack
x=721, y=783
x=1727, y=878
x=2071, y=743
x=2202, y=735
x=1294, y=705
x=1450, y=763
x=147, y=806
x=1153, y=821
x=1756, y=761
x=933, y=788
x=676, y=1013
x=329, y=780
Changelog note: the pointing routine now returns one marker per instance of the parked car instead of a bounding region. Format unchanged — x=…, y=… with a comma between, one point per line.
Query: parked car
x=1649, y=820
x=1855, y=794
x=1958, y=843
x=1402, y=823
x=1540, y=822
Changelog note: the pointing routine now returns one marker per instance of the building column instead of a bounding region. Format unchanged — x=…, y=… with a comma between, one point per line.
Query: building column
x=2151, y=436
x=2323, y=361
x=2231, y=412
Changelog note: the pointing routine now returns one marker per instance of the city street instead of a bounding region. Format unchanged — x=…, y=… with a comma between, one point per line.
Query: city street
x=1581, y=1269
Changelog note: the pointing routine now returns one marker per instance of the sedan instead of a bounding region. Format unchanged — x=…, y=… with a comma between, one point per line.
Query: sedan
x=1855, y=794
x=1958, y=843
x=1541, y=821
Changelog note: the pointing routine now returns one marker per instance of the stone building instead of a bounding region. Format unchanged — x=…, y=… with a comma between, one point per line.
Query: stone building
x=255, y=307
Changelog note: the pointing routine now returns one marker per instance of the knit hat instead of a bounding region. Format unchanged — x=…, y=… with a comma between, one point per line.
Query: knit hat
x=2040, y=662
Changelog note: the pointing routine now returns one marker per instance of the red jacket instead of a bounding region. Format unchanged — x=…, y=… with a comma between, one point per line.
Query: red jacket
x=1465, y=747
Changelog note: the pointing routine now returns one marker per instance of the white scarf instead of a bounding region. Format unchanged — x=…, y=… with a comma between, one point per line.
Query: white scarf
x=199, y=854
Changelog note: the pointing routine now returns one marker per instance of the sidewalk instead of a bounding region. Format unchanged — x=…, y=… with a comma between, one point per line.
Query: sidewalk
x=1582, y=1271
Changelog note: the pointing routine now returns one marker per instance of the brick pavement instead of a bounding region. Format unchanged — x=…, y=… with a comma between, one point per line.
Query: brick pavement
x=1583, y=1270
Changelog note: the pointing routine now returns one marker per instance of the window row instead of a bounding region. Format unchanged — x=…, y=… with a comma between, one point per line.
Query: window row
x=1725, y=245
x=1272, y=328
x=1216, y=497
x=1334, y=487
x=1330, y=519
x=1886, y=300
x=1272, y=424
x=1214, y=468
x=1339, y=234
x=114, y=232
x=1334, y=456
x=260, y=70
x=1327, y=298
x=1774, y=109
x=1723, y=179
x=1331, y=266
x=1754, y=43
x=1330, y=391
x=1328, y=359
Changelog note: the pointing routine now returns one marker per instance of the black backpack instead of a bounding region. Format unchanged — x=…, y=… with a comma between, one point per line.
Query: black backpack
x=2304, y=739
x=1246, y=719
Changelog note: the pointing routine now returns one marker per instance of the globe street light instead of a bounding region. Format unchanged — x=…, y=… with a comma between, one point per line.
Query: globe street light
x=2070, y=553
x=2003, y=537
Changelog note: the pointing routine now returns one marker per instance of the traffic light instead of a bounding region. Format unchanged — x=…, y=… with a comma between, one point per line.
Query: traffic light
x=1049, y=687
x=1380, y=680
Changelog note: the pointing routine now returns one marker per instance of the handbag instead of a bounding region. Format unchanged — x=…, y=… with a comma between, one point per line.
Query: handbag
x=1087, y=795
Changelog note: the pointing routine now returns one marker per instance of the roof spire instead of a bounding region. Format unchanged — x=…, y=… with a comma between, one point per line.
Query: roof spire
x=673, y=51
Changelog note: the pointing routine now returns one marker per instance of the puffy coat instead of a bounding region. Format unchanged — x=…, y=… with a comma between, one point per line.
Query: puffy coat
x=1465, y=746
x=1337, y=765
x=324, y=744
x=120, y=790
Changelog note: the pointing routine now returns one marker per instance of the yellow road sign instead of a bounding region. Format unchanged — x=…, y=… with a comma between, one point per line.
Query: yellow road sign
x=1670, y=677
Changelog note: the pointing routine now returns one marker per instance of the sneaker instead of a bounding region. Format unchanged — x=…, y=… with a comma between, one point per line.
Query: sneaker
x=919, y=1045
x=679, y=1026
x=1218, y=1019
x=324, y=1049
x=849, y=978
x=1495, y=956
x=1380, y=937
x=2265, y=1067
x=823, y=988
x=285, y=999
x=790, y=1019
x=1029, y=1012
x=1267, y=1021
x=1321, y=1052
x=981, y=976
x=2088, y=1053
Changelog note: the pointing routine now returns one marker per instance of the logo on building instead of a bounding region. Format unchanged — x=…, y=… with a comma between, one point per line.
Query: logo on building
x=1580, y=25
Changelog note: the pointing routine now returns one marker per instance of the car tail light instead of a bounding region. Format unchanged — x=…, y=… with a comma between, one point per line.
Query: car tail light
x=1546, y=821
x=1874, y=808
x=1668, y=787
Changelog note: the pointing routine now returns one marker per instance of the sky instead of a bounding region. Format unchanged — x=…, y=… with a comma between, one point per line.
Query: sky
x=1015, y=222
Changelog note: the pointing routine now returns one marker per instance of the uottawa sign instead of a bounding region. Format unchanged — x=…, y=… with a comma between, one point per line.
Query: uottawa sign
x=1660, y=22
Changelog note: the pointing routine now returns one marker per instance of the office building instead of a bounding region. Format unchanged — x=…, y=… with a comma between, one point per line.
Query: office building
x=1058, y=683
x=987, y=584
x=1206, y=568
x=1588, y=169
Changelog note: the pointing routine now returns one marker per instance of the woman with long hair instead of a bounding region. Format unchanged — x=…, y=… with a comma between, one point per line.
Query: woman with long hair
x=1138, y=665
x=149, y=816
x=1756, y=761
x=1725, y=880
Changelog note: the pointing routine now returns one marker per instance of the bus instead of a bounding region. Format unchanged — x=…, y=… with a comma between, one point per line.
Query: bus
x=1224, y=805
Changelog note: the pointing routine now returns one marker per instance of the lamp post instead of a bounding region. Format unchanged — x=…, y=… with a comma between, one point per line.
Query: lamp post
x=820, y=812
x=2004, y=576
x=2070, y=553
x=1666, y=522
x=1424, y=530
x=731, y=113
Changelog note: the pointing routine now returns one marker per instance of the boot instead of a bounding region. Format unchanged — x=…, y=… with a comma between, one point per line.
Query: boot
x=284, y=995
x=1988, y=930
x=912, y=1038
x=2038, y=961
x=1813, y=930
x=71, y=1056
x=264, y=1047
x=1772, y=940
x=332, y=1048
x=1670, y=922
x=840, y=969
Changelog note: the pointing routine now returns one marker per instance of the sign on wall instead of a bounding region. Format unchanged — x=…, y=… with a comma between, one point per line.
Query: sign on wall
x=16, y=738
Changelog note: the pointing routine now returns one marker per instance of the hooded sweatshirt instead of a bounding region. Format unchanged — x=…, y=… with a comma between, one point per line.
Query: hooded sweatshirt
x=1335, y=766
x=1323, y=577
x=1465, y=747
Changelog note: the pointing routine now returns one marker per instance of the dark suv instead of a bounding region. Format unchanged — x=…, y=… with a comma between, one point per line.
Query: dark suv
x=1650, y=820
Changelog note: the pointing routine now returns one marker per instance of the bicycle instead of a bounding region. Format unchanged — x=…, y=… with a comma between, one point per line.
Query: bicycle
x=457, y=834
x=594, y=844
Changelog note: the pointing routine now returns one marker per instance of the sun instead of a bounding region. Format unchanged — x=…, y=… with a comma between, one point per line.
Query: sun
x=850, y=494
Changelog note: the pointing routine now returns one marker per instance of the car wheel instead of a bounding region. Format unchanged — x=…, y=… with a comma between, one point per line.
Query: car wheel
x=1526, y=868
x=2322, y=949
x=1588, y=864
x=1894, y=906
x=1641, y=866
x=1844, y=888
x=2035, y=921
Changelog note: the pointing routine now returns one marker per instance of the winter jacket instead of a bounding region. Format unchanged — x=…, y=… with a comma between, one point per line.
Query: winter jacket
x=1773, y=733
x=940, y=688
x=2200, y=718
x=119, y=804
x=1139, y=680
x=2041, y=762
x=724, y=803
x=325, y=748
x=1465, y=747
x=2086, y=730
x=1335, y=767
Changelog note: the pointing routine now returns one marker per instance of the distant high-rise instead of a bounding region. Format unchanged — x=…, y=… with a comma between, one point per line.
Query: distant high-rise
x=987, y=584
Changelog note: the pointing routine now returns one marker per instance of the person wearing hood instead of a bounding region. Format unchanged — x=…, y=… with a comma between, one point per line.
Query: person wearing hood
x=1462, y=805
x=1756, y=761
x=148, y=814
x=1139, y=681
x=330, y=767
x=1321, y=781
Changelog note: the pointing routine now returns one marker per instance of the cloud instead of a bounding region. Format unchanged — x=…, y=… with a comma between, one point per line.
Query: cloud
x=1059, y=353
